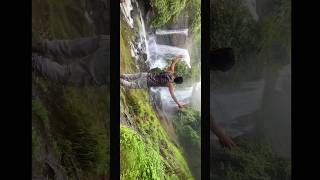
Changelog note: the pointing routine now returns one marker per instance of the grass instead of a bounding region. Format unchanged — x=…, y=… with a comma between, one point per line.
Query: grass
x=147, y=152
x=75, y=119
x=253, y=159
x=126, y=63
x=154, y=139
x=138, y=160
x=82, y=125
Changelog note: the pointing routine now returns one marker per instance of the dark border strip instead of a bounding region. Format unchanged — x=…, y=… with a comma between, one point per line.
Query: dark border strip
x=115, y=91
x=205, y=90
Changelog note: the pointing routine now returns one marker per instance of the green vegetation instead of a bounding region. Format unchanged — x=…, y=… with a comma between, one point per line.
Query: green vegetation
x=193, y=9
x=126, y=62
x=76, y=125
x=187, y=124
x=253, y=159
x=169, y=11
x=73, y=122
x=234, y=27
x=165, y=10
x=35, y=144
x=81, y=130
x=189, y=74
x=138, y=160
x=181, y=69
x=150, y=154
x=147, y=151
x=40, y=112
x=257, y=45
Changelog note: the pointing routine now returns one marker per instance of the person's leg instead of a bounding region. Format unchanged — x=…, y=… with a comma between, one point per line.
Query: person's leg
x=74, y=48
x=72, y=74
x=131, y=77
x=140, y=83
x=97, y=64
x=129, y=85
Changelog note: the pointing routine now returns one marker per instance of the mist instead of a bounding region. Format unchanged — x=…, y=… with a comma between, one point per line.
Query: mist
x=251, y=102
x=261, y=107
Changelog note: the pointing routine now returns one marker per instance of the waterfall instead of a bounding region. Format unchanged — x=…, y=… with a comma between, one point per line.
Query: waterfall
x=126, y=8
x=172, y=31
x=183, y=95
x=229, y=106
x=159, y=54
x=187, y=95
x=196, y=96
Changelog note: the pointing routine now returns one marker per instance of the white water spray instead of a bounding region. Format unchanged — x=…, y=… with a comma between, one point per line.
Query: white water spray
x=172, y=31
x=227, y=107
x=160, y=54
x=126, y=8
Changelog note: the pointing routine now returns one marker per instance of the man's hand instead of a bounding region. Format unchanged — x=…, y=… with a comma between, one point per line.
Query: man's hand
x=226, y=141
x=180, y=106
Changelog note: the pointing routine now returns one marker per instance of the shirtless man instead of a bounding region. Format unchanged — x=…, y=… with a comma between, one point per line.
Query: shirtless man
x=146, y=80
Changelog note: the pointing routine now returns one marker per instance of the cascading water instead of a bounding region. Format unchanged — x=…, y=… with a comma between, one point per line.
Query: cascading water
x=188, y=95
x=229, y=107
x=262, y=105
x=172, y=31
x=126, y=8
x=159, y=54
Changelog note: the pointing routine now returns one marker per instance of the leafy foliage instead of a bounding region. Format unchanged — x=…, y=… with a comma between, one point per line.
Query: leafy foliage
x=80, y=131
x=138, y=160
x=257, y=45
x=233, y=26
x=165, y=10
x=181, y=69
x=188, y=127
x=253, y=159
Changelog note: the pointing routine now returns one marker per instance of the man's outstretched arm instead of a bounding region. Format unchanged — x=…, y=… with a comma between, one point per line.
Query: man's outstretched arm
x=174, y=62
x=224, y=139
x=170, y=86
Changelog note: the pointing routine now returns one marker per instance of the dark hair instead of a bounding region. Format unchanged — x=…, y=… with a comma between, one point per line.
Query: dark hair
x=178, y=80
x=221, y=59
